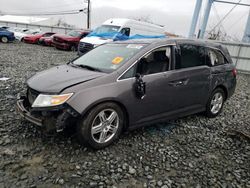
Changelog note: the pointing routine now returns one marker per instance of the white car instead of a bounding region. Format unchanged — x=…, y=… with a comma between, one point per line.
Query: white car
x=20, y=33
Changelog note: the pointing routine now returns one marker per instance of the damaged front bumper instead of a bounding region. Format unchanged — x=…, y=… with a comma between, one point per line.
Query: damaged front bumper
x=26, y=114
x=54, y=118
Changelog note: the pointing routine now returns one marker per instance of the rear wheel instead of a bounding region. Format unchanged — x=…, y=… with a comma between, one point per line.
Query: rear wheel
x=102, y=125
x=215, y=103
x=4, y=39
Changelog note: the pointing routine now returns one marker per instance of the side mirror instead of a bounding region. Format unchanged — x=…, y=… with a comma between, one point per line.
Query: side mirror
x=140, y=86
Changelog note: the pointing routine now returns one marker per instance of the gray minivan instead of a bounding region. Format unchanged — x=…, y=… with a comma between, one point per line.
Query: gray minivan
x=125, y=85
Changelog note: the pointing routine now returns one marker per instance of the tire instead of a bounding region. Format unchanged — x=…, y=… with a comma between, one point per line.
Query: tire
x=4, y=39
x=73, y=49
x=215, y=103
x=96, y=130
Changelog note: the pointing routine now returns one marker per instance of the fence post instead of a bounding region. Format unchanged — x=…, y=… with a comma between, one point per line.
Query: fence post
x=238, y=55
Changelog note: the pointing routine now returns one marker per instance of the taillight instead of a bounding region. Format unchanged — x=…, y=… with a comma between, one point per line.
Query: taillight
x=234, y=72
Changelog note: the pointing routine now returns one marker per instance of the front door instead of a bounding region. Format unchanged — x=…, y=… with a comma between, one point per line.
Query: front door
x=152, y=68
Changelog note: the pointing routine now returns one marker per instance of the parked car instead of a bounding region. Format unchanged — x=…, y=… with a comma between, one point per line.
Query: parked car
x=46, y=41
x=5, y=27
x=20, y=35
x=6, y=36
x=109, y=30
x=34, y=39
x=69, y=41
x=125, y=85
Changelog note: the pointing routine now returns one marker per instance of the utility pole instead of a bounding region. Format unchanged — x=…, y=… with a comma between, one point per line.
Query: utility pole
x=205, y=18
x=195, y=18
x=88, y=14
x=246, y=36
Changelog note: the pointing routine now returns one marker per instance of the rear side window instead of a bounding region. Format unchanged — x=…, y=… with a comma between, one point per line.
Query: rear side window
x=216, y=58
x=191, y=56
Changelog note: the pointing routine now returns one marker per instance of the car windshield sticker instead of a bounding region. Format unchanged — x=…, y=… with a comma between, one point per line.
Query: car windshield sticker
x=134, y=46
x=117, y=60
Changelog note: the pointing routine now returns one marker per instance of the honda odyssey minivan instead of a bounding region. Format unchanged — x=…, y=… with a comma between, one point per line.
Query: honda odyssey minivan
x=128, y=84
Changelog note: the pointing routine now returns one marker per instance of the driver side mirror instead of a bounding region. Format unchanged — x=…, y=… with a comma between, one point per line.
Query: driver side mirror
x=140, y=86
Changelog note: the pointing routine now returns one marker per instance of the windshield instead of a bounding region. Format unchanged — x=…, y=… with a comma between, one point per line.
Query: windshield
x=109, y=57
x=106, y=29
x=74, y=34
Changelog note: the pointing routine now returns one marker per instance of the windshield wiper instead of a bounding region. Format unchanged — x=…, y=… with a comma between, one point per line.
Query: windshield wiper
x=88, y=67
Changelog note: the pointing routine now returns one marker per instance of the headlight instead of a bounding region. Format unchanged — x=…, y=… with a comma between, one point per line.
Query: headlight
x=51, y=100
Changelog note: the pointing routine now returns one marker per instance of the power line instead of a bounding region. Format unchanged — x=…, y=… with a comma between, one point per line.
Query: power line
x=218, y=16
x=226, y=15
x=44, y=7
x=237, y=21
x=46, y=13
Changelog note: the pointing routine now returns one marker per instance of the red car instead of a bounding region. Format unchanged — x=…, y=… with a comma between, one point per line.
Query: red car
x=69, y=41
x=46, y=41
x=34, y=39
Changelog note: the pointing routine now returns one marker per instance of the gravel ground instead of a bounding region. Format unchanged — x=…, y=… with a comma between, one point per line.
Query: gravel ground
x=190, y=152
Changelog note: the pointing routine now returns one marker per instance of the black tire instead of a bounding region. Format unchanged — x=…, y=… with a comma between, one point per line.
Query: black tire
x=4, y=39
x=73, y=49
x=213, y=113
x=85, y=125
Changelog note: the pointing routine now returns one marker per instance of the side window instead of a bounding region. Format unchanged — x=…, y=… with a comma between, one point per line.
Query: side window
x=130, y=73
x=125, y=31
x=216, y=58
x=191, y=56
x=156, y=61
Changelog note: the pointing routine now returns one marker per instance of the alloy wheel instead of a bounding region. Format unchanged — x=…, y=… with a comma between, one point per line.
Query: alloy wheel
x=105, y=126
x=216, y=103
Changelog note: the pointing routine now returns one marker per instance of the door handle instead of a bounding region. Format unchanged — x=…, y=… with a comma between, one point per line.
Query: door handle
x=178, y=83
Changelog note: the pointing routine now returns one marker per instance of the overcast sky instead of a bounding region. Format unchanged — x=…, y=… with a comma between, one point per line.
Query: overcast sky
x=176, y=15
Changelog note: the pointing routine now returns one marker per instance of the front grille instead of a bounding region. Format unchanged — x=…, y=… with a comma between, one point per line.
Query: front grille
x=85, y=47
x=32, y=95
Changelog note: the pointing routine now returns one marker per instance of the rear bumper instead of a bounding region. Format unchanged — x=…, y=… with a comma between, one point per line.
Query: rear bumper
x=26, y=114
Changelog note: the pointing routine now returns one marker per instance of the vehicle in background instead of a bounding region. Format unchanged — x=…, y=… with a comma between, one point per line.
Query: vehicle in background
x=69, y=41
x=17, y=31
x=127, y=27
x=5, y=27
x=34, y=39
x=20, y=35
x=46, y=41
x=6, y=36
x=128, y=84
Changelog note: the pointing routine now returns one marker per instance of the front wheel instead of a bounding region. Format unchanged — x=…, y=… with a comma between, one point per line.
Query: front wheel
x=101, y=126
x=215, y=103
x=4, y=39
x=73, y=49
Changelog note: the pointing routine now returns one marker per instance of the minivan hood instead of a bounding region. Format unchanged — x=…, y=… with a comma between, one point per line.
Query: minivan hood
x=95, y=40
x=56, y=79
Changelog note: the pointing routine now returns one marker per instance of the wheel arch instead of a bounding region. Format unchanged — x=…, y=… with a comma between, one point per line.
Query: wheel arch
x=120, y=104
x=224, y=89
